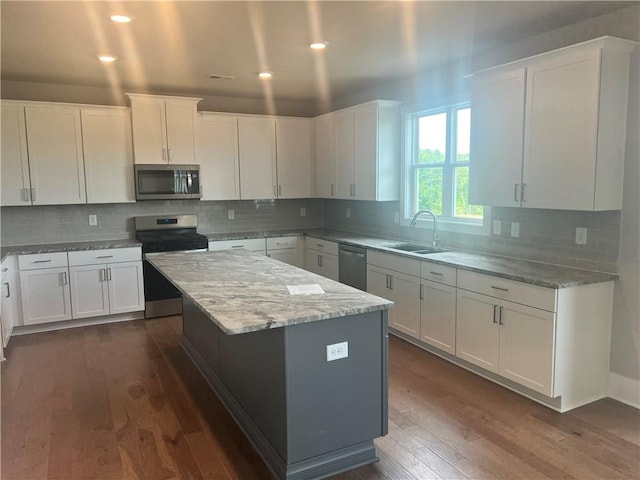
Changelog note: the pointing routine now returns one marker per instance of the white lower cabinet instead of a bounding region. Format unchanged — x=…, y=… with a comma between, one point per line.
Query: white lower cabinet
x=321, y=257
x=284, y=249
x=250, y=244
x=44, y=288
x=11, y=304
x=438, y=315
x=106, y=282
x=397, y=279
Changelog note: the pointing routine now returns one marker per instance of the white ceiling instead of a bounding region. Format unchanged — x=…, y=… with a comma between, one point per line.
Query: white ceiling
x=172, y=47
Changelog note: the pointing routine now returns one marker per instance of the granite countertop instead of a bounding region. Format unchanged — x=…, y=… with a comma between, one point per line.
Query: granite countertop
x=67, y=247
x=243, y=292
x=534, y=273
x=254, y=234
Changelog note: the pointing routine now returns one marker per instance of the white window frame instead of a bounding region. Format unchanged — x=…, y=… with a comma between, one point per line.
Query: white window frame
x=410, y=130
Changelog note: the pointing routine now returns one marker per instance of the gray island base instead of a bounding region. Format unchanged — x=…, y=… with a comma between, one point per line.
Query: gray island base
x=307, y=416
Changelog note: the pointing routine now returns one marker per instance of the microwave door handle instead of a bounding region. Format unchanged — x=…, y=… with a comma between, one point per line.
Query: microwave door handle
x=189, y=182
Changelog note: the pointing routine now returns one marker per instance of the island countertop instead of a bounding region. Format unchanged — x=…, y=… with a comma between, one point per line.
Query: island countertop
x=243, y=292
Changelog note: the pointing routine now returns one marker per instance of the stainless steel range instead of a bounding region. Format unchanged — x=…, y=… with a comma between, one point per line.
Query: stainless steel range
x=171, y=233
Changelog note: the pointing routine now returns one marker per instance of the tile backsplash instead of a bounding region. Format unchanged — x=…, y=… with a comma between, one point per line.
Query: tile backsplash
x=545, y=235
x=70, y=223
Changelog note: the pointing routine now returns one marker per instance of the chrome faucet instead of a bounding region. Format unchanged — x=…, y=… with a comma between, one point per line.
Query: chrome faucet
x=435, y=224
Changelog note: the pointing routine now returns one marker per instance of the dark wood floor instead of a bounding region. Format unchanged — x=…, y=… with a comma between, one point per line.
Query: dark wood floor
x=124, y=401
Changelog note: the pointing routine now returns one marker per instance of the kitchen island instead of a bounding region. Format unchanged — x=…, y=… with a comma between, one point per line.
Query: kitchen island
x=304, y=375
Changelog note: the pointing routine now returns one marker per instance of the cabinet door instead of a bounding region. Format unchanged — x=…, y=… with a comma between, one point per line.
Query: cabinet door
x=344, y=128
x=126, y=287
x=89, y=291
x=218, y=157
x=497, y=129
x=325, y=163
x=149, y=130
x=11, y=303
x=45, y=295
x=527, y=346
x=438, y=316
x=181, y=126
x=293, y=153
x=378, y=282
x=289, y=256
x=561, y=132
x=54, y=139
x=477, y=330
x=14, y=158
x=312, y=261
x=257, y=150
x=365, y=152
x=330, y=266
x=108, y=155
x=405, y=314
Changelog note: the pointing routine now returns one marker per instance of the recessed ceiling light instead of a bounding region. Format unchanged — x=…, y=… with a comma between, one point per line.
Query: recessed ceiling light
x=121, y=18
x=107, y=58
x=265, y=74
x=319, y=45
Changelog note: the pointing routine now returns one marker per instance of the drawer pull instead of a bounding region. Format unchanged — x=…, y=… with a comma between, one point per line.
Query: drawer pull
x=237, y=246
x=437, y=273
x=8, y=290
x=421, y=292
x=500, y=288
x=105, y=256
x=41, y=261
x=319, y=245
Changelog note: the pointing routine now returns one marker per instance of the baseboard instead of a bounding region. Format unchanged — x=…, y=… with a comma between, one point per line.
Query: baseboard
x=624, y=389
x=82, y=322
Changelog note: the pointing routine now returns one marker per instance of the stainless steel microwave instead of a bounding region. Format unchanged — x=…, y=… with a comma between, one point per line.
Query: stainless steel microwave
x=167, y=182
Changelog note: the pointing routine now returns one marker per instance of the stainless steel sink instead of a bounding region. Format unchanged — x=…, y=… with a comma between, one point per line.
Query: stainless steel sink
x=415, y=248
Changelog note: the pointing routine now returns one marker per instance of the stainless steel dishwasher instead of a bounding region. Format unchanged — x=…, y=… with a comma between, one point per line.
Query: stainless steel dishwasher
x=352, y=266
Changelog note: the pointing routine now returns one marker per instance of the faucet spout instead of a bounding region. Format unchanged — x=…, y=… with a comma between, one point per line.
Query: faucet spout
x=435, y=224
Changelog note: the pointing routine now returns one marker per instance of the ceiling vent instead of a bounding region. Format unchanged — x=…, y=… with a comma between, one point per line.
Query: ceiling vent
x=216, y=76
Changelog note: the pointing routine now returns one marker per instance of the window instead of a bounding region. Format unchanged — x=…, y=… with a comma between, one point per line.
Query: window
x=437, y=167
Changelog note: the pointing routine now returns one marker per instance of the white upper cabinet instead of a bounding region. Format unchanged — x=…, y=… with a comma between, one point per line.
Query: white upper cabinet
x=569, y=143
x=16, y=184
x=257, y=150
x=56, y=166
x=325, y=161
x=293, y=156
x=362, y=160
x=163, y=129
x=108, y=156
x=218, y=157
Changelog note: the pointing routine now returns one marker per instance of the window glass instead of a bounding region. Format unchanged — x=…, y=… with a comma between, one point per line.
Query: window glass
x=430, y=189
x=432, y=138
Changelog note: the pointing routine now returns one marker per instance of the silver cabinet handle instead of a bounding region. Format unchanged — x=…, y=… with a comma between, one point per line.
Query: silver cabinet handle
x=500, y=288
x=8, y=290
x=437, y=273
x=320, y=260
x=333, y=189
x=522, y=191
x=319, y=245
x=164, y=155
x=5, y=269
x=386, y=280
x=105, y=256
x=25, y=195
x=515, y=192
x=169, y=155
x=41, y=261
x=354, y=189
x=279, y=190
x=421, y=292
x=103, y=272
x=237, y=246
x=390, y=282
x=64, y=278
x=275, y=191
x=33, y=194
x=108, y=274
x=500, y=316
x=495, y=309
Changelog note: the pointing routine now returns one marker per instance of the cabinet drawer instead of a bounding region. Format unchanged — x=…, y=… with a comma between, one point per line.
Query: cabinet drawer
x=394, y=262
x=42, y=260
x=322, y=245
x=518, y=292
x=282, y=242
x=438, y=273
x=252, y=244
x=107, y=255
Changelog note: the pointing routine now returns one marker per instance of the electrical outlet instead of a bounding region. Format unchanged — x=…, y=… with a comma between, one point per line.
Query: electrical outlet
x=497, y=227
x=337, y=351
x=581, y=236
x=515, y=229
x=93, y=220
x=231, y=214
x=348, y=213
x=396, y=217
x=303, y=212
